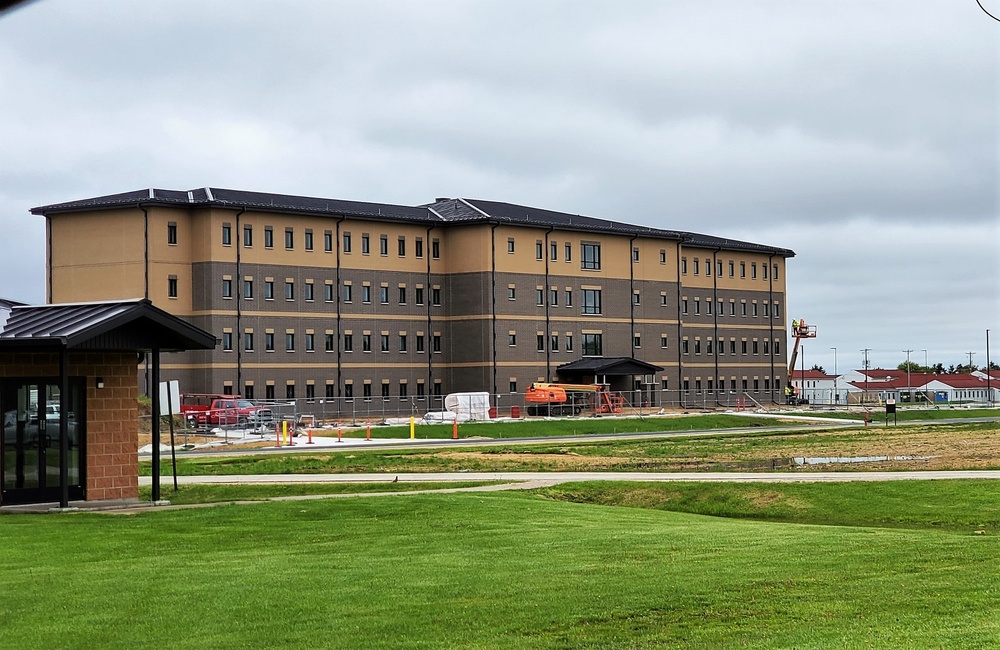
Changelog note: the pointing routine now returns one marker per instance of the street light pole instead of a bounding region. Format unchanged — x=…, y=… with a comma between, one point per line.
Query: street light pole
x=864, y=397
x=989, y=391
x=836, y=393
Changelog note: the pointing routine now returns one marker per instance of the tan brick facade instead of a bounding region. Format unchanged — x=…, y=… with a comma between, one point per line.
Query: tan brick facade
x=111, y=442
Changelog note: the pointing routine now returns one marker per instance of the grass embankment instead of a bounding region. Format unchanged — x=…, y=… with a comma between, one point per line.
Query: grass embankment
x=971, y=445
x=482, y=571
x=907, y=413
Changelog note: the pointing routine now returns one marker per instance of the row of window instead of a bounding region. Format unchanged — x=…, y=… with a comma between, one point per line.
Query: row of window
x=769, y=310
x=719, y=387
x=745, y=347
x=309, y=240
x=403, y=391
x=402, y=292
x=706, y=264
x=330, y=342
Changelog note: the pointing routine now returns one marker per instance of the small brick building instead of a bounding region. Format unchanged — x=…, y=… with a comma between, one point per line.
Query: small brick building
x=69, y=396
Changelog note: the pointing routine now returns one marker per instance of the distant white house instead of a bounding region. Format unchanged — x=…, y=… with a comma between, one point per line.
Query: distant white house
x=877, y=386
x=819, y=388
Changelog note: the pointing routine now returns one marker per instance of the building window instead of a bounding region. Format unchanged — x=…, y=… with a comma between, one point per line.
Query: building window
x=732, y=308
x=538, y=249
x=697, y=307
x=289, y=391
x=763, y=274
x=247, y=236
x=269, y=391
x=694, y=263
x=366, y=392
x=591, y=301
x=401, y=246
x=592, y=345
x=636, y=341
x=172, y=286
x=635, y=254
x=436, y=343
x=268, y=289
x=268, y=237
x=684, y=266
x=753, y=309
x=269, y=342
x=402, y=295
x=743, y=269
x=310, y=391
x=348, y=343
x=663, y=299
x=554, y=342
x=348, y=391
x=755, y=347
x=419, y=295
x=436, y=250
x=366, y=293
x=227, y=234
x=172, y=233
x=347, y=242
x=569, y=342
x=436, y=296
x=553, y=251
x=510, y=244
x=366, y=342
x=309, y=239
x=383, y=342
x=732, y=266
x=568, y=296
x=418, y=247
x=663, y=256
x=383, y=295
x=540, y=343
x=554, y=297
x=684, y=346
x=402, y=342
x=718, y=268
x=591, y=254
x=248, y=341
x=289, y=342
x=708, y=306
x=402, y=390
x=511, y=293
x=684, y=305
x=289, y=290
x=708, y=346
x=512, y=386
x=289, y=238
x=419, y=339
x=697, y=346
x=348, y=292
x=753, y=270
x=310, y=295
x=227, y=341
x=328, y=241
x=365, y=244
x=774, y=272
x=635, y=298
x=328, y=292
x=383, y=245
x=663, y=340
x=732, y=346
x=743, y=346
x=539, y=297
x=310, y=342
x=743, y=308
x=385, y=392
x=512, y=339
x=248, y=391
x=227, y=288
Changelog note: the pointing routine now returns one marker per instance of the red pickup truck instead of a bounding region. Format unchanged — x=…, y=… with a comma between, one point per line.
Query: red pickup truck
x=221, y=410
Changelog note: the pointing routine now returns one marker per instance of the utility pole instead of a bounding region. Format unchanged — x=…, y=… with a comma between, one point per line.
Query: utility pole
x=836, y=393
x=970, y=360
x=989, y=391
x=865, y=396
x=908, y=393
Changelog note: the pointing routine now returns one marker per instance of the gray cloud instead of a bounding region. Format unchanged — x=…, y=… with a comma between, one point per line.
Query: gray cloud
x=863, y=135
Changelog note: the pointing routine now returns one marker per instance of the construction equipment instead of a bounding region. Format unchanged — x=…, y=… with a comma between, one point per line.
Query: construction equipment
x=800, y=330
x=571, y=399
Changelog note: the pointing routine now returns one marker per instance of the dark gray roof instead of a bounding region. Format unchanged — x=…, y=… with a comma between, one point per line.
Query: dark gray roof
x=615, y=366
x=441, y=211
x=125, y=325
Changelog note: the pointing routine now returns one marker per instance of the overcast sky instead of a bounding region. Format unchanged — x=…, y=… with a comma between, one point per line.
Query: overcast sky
x=863, y=135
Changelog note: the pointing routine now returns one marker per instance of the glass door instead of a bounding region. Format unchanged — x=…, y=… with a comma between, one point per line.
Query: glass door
x=31, y=446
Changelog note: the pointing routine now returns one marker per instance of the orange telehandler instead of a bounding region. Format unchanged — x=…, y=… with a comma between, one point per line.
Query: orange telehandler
x=571, y=399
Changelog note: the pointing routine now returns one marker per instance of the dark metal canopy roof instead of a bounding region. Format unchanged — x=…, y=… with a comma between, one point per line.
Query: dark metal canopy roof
x=614, y=366
x=442, y=211
x=125, y=325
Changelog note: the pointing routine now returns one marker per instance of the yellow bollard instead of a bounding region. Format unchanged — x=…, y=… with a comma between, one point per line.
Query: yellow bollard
x=284, y=431
x=411, y=428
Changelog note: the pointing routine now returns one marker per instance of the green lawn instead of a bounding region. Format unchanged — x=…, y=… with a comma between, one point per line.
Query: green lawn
x=497, y=570
x=188, y=494
x=908, y=413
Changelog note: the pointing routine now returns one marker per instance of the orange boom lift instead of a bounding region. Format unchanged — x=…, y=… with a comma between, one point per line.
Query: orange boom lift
x=571, y=399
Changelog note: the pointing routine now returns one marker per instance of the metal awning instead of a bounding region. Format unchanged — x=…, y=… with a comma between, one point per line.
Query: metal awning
x=608, y=366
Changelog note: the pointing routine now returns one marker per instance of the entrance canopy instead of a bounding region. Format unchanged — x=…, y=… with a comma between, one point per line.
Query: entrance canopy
x=121, y=326
x=607, y=366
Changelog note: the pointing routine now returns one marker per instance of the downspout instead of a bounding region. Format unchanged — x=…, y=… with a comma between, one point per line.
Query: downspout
x=48, y=244
x=237, y=331
x=631, y=294
x=145, y=250
x=680, y=330
x=493, y=288
x=430, y=321
x=770, y=321
x=715, y=322
x=545, y=297
x=337, y=291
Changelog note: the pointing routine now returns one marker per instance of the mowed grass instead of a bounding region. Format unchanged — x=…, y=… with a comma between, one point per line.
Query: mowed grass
x=192, y=494
x=498, y=570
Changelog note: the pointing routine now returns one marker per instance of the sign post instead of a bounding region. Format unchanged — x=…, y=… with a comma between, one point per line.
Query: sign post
x=170, y=403
x=890, y=407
